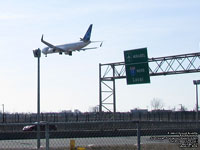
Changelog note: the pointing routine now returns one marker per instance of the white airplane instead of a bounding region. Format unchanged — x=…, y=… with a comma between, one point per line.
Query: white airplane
x=70, y=47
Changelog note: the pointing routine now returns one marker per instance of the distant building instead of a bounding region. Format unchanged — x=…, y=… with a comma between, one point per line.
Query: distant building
x=76, y=111
x=143, y=111
x=66, y=111
x=161, y=110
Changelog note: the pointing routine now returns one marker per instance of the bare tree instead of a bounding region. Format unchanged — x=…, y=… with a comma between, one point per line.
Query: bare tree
x=183, y=108
x=157, y=104
x=94, y=109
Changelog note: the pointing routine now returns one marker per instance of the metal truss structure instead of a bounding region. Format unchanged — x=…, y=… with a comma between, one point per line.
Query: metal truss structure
x=168, y=65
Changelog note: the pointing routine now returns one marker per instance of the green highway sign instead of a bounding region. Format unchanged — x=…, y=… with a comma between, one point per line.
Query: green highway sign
x=137, y=73
x=135, y=56
x=137, y=68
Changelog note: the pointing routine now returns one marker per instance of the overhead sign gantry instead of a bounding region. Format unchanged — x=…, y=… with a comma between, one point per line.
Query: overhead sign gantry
x=167, y=65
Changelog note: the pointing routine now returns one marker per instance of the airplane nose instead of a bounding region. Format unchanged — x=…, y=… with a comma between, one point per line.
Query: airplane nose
x=44, y=50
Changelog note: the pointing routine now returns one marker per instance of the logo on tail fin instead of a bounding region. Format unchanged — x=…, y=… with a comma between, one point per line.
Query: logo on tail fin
x=87, y=35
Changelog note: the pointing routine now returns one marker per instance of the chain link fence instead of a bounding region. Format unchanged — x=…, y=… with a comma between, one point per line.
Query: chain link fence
x=134, y=115
x=107, y=135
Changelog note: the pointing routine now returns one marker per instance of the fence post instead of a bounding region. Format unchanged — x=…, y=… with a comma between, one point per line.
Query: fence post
x=138, y=135
x=72, y=145
x=47, y=135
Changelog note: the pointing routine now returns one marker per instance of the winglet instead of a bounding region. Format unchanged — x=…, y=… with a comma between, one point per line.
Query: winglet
x=42, y=38
x=46, y=43
x=101, y=44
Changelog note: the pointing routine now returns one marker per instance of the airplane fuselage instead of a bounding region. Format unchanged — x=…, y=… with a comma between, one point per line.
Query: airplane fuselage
x=67, y=48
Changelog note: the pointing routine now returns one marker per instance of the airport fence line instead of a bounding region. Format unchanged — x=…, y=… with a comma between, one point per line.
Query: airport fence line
x=156, y=115
x=101, y=135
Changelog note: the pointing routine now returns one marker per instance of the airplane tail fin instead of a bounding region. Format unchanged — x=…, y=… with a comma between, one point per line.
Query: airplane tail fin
x=87, y=35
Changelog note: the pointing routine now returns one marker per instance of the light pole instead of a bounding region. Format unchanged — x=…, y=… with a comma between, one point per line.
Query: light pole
x=37, y=54
x=181, y=107
x=196, y=82
x=3, y=113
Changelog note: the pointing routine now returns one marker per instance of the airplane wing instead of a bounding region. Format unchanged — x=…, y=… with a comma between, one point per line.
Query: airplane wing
x=51, y=45
x=98, y=42
x=92, y=47
x=88, y=48
x=69, y=52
